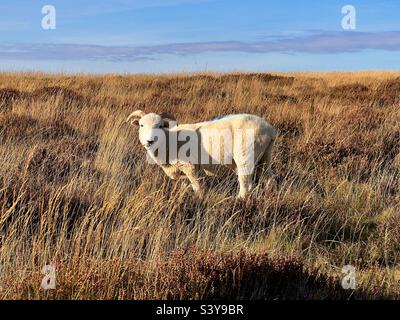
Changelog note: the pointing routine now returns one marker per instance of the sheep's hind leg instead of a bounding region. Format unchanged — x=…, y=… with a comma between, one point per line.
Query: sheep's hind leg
x=263, y=172
x=245, y=171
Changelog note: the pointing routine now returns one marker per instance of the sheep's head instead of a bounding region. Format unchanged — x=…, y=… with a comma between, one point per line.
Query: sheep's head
x=150, y=125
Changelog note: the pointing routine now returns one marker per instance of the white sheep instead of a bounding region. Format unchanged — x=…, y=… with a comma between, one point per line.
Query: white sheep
x=241, y=141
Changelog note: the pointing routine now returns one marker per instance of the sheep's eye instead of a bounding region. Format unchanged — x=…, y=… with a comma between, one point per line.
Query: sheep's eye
x=141, y=125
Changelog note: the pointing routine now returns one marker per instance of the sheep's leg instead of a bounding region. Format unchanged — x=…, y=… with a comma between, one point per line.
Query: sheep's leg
x=266, y=159
x=264, y=172
x=171, y=172
x=192, y=174
x=245, y=170
x=245, y=185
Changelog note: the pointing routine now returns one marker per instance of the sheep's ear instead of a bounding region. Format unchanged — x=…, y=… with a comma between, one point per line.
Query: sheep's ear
x=166, y=124
x=168, y=116
x=134, y=117
x=134, y=122
x=169, y=119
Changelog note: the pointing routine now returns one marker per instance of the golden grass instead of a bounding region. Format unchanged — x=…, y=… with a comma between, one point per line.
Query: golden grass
x=76, y=191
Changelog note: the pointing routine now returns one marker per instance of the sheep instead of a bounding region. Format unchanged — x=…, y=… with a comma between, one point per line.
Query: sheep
x=192, y=149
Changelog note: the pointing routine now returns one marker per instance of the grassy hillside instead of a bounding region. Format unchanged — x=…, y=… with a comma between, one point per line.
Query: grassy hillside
x=76, y=191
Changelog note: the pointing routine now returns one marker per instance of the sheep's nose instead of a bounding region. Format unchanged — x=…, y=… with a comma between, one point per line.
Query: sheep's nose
x=149, y=142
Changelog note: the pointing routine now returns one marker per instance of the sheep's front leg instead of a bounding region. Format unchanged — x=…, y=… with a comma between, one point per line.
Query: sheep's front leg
x=192, y=174
x=171, y=171
x=245, y=185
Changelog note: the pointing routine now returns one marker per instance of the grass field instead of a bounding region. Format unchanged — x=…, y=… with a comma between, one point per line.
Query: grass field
x=77, y=193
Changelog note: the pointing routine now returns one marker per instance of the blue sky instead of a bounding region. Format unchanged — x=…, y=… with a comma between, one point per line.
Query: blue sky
x=97, y=36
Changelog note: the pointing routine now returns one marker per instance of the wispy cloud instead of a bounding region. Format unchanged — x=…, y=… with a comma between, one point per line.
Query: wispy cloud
x=322, y=43
x=96, y=7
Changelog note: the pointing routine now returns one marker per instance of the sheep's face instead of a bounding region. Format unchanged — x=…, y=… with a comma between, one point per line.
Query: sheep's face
x=149, y=129
x=151, y=126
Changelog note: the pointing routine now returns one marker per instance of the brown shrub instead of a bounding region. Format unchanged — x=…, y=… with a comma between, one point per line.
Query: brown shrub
x=56, y=161
x=280, y=98
x=8, y=96
x=211, y=275
x=17, y=127
x=165, y=98
x=390, y=145
x=56, y=129
x=351, y=93
x=211, y=92
x=24, y=127
x=68, y=96
x=288, y=128
x=362, y=118
x=332, y=152
x=388, y=93
x=264, y=77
